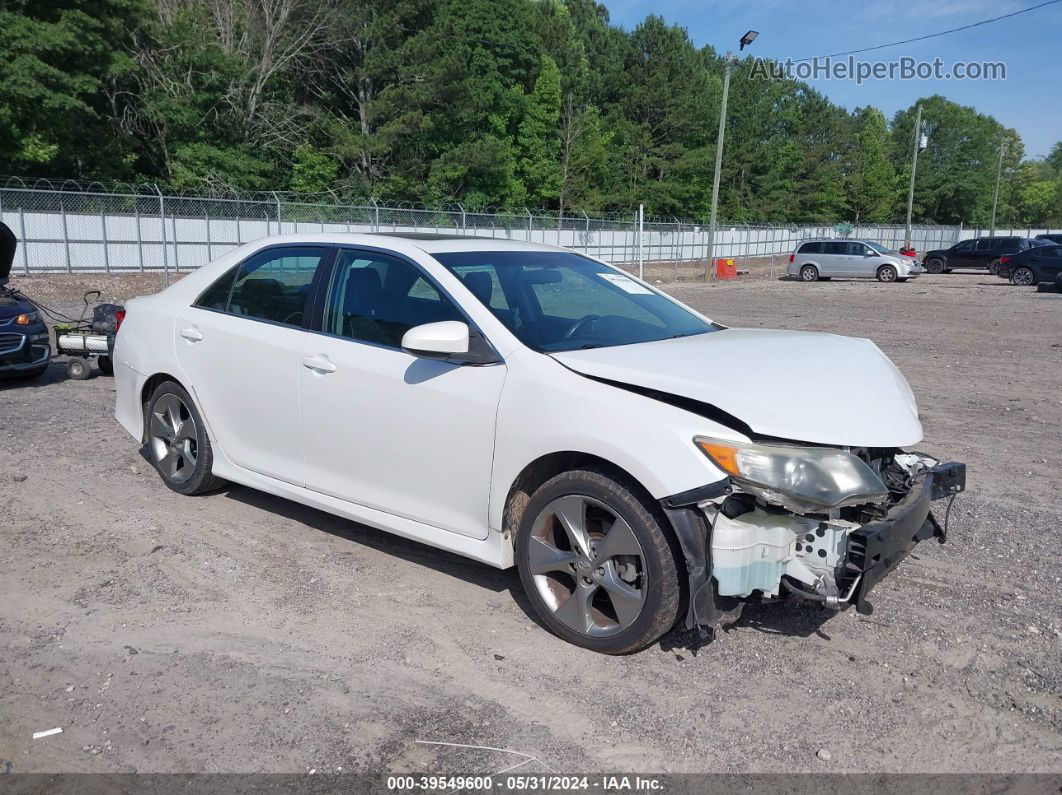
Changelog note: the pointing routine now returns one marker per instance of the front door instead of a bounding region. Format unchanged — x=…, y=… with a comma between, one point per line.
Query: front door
x=385, y=429
x=240, y=346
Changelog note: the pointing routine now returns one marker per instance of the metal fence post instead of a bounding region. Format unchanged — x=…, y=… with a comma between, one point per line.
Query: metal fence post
x=106, y=247
x=463, y=225
x=66, y=235
x=210, y=245
x=25, y=243
x=162, y=225
x=139, y=236
x=276, y=198
x=376, y=215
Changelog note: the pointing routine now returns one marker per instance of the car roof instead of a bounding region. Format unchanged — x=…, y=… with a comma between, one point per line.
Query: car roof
x=427, y=242
x=840, y=240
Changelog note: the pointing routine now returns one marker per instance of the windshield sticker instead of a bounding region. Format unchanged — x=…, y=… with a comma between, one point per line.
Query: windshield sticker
x=625, y=283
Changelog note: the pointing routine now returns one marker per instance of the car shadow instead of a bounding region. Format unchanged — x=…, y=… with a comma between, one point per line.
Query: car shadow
x=791, y=617
x=457, y=566
x=55, y=373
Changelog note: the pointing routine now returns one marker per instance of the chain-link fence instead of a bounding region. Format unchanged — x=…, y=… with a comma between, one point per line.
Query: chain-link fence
x=74, y=227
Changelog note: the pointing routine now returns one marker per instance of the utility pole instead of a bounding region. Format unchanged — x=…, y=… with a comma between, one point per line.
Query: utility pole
x=999, y=173
x=718, y=164
x=914, y=165
x=747, y=39
x=641, y=241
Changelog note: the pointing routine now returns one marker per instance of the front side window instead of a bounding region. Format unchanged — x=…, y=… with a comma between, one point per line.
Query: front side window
x=965, y=245
x=271, y=285
x=856, y=249
x=377, y=298
x=560, y=301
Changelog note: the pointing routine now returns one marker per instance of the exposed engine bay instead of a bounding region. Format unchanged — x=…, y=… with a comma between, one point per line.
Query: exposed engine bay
x=759, y=549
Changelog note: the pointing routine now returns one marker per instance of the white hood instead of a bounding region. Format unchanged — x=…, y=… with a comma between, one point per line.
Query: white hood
x=798, y=385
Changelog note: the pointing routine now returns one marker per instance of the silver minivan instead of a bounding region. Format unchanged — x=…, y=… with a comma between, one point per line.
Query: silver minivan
x=824, y=258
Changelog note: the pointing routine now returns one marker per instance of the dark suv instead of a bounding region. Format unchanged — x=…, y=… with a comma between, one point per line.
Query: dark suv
x=978, y=252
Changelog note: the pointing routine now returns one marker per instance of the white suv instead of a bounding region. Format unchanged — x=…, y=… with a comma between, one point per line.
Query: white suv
x=522, y=404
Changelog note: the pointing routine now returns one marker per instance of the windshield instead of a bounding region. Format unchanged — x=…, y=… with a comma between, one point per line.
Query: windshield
x=559, y=301
x=882, y=250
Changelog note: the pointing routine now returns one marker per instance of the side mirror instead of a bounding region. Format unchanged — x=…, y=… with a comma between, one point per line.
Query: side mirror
x=437, y=340
x=870, y=253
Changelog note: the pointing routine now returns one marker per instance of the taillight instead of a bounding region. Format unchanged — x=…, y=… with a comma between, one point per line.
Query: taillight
x=791, y=258
x=1004, y=258
x=119, y=316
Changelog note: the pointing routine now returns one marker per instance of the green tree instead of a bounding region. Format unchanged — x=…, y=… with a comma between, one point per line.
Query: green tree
x=59, y=59
x=537, y=167
x=872, y=180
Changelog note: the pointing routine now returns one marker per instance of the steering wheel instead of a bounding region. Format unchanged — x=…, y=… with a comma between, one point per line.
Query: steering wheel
x=577, y=326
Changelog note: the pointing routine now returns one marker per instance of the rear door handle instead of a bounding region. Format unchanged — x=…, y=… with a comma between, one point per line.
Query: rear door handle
x=319, y=364
x=192, y=334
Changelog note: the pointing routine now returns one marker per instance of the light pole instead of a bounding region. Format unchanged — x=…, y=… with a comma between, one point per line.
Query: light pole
x=748, y=38
x=995, y=196
x=915, y=148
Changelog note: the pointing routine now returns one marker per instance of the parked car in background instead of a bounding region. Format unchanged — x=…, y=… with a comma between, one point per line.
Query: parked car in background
x=521, y=404
x=826, y=258
x=977, y=252
x=25, y=349
x=1053, y=237
x=1032, y=266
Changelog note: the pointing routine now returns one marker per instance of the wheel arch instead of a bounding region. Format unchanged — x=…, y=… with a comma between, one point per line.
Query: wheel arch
x=150, y=385
x=547, y=466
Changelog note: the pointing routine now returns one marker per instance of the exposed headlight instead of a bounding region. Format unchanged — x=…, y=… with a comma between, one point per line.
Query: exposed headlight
x=26, y=319
x=802, y=479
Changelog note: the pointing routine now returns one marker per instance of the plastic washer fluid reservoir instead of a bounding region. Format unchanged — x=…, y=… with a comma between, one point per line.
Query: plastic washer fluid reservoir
x=749, y=552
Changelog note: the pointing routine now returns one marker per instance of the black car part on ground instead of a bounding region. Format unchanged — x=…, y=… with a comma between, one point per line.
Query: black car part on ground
x=873, y=550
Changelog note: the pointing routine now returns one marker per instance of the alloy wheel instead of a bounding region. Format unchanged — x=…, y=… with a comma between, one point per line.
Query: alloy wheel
x=173, y=438
x=587, y=566
x=1022, y=277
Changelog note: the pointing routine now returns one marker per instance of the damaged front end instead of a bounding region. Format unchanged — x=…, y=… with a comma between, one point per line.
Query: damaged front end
x=817, y=523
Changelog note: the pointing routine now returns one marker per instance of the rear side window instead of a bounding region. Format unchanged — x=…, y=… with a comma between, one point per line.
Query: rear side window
x=377, y=298
x=810, y=248
x=271, y=285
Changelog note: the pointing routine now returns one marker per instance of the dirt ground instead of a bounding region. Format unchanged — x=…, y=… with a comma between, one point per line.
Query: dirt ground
x=242, y=632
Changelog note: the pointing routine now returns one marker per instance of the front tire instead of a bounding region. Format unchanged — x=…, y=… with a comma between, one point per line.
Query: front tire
x=1023, y=277
x=935, y=266
x=177, y=441
x=886, y=273
x=596, y=564
x=809, y=273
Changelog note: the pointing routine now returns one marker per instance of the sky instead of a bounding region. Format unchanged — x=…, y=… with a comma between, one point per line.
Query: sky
x=1028, y=100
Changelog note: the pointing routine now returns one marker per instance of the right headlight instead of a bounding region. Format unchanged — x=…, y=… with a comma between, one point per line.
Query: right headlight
x=802, y=479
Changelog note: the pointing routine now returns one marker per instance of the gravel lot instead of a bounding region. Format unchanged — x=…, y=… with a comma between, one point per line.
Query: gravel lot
x=241, y=632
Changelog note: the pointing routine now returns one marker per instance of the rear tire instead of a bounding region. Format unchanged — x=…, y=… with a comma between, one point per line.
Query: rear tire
x=78, y=369
x=177, y=442
x=993, y=266
x=809, y=273
x=106, y=365
x=1023, y=277
x=886, y=273
x=935, y=266
x=596, y=563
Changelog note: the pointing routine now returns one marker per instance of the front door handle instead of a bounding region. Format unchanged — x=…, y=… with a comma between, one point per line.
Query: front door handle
x=319, y=364
x=192, y=334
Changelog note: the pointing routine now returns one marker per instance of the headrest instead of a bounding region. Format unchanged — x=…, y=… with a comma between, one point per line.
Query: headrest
x=480, y=285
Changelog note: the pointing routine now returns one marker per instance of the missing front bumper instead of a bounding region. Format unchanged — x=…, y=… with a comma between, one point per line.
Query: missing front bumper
x=873, y=550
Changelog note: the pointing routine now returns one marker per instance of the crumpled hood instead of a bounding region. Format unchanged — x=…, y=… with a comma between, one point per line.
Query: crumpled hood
x=798, y=385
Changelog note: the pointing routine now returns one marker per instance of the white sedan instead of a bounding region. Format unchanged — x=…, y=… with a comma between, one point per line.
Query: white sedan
x=525, y=405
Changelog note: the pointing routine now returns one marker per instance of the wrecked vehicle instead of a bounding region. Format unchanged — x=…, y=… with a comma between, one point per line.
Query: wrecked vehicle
x=521, y=404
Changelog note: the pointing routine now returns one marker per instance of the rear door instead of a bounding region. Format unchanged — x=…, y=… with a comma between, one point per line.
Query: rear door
x=239, y=346
x=1047, y=262
x=833, y=258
